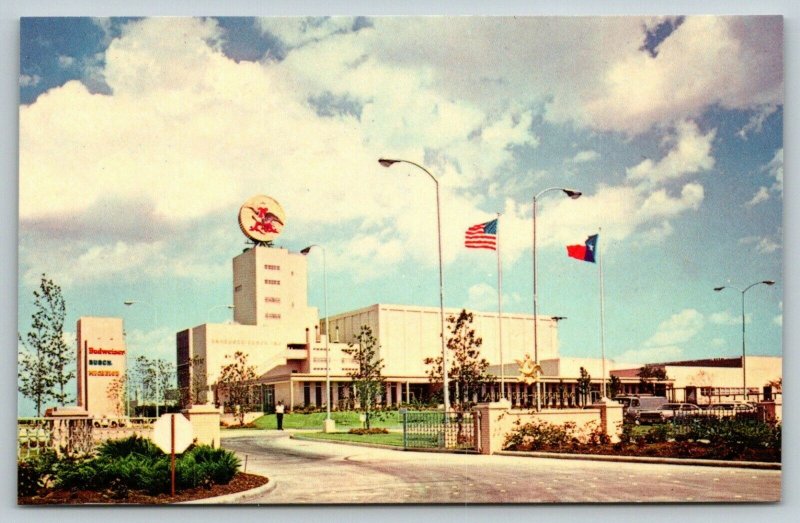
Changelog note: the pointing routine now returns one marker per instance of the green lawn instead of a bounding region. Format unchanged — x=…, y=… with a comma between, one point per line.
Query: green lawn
x=393, y=438
x=344, y=420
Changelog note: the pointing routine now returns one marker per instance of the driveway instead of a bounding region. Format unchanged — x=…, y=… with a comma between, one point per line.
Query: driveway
x=311, y=472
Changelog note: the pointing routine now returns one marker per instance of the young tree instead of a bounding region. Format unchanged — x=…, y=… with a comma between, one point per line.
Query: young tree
x=44, y=362
x=367, y=379
x=614, y=386
x=584, y=385
x=467, y=370
x=650, y=374
x=234, y=381
x=117, y=393
x=198, y=386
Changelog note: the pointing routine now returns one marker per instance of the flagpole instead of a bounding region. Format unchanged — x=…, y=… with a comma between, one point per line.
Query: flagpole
x=500, y=313
x=602, y=317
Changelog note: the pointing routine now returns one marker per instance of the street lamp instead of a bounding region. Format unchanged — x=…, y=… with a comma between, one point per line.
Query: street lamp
x=158, y=372
x=388, y=163
x=574, y=195
x=208, y=314
x=742, y=291
x=330, y=424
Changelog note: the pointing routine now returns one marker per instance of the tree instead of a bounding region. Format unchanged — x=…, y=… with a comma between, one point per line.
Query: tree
x=584, y=385
x=234, y=381
x=467, y=370
x=367, y=380
x=650, y=374
x=117, y=393
x=44, y=362
x=198, y=386
x=152, y=378
x=614, y=386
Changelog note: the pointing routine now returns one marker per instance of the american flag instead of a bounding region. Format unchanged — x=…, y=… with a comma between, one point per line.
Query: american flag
x=482, y=236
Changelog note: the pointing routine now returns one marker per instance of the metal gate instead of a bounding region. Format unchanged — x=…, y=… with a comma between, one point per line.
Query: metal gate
x=440, y=430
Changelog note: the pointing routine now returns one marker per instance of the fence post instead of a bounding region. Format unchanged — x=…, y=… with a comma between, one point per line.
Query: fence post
x=404, y=413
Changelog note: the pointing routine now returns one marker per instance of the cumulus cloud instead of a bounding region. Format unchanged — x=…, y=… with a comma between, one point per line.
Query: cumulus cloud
x=651, y=355
x=690, y=154
x=763, y=244
x=584, y=156
x=727, y=318
x=29, y=80
x=775, y=169
x=297, y=31
x=677, y=329
x=760, y=196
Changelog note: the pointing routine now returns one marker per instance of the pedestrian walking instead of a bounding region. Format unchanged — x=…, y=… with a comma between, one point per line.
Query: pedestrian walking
x=279, y=409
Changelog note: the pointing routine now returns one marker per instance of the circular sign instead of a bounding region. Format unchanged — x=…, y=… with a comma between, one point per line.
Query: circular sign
x=261, y=218
x=162, y=433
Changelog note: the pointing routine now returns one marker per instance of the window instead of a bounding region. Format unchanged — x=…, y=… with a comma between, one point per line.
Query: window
x=272, y=299
x=272, y=316
x=272, y=282
x=272, y=267
x=237, y=288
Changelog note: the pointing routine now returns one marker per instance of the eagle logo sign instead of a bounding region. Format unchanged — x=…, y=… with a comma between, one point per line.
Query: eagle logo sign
x=261, y=218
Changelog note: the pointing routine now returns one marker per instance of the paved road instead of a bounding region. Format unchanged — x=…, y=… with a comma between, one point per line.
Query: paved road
x=318, y=472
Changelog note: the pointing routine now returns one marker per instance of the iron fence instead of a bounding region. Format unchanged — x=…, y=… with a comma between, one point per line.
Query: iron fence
x=74, y=436
x=439, y=430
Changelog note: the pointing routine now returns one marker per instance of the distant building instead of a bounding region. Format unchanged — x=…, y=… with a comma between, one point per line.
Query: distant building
x=284, y=339
x=101, y=366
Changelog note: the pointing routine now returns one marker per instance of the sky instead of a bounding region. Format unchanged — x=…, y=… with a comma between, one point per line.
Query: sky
x=139, y=138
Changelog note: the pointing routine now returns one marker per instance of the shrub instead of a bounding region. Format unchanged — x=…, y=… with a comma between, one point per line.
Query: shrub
x=118, y=448
x=373, y=430
x=28, y=478
x=538, y=434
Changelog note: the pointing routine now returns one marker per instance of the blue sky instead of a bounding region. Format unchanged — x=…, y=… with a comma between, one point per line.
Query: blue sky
x=140, y=138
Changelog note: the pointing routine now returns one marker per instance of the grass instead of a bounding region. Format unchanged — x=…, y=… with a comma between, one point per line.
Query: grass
x=344, y=420
x=394, y=439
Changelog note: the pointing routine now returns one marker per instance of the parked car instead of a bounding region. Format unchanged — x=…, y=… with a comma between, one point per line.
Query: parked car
x=633, y=405
x=729, y=409
x=668, y=411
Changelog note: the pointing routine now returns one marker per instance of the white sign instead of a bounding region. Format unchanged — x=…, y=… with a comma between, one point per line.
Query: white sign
x=162, y=433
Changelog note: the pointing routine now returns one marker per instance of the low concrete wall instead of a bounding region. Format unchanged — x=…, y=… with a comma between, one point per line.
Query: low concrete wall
x=497, y=420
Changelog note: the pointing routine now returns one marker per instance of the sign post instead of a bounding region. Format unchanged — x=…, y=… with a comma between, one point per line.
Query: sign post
x=173, y=434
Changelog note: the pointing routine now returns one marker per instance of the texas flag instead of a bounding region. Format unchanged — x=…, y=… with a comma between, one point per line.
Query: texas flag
x=584, y=252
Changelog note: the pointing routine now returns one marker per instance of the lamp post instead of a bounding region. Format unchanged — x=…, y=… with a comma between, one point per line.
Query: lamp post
x=743, y=291
x=388, y=163
x=330, y=424
x=208, y=314
x=574, y=195
x=155, y=324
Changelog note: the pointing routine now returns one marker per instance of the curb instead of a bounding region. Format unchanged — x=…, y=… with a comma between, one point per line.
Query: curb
x=269, y=486
x=646, y=459
x=586, y=457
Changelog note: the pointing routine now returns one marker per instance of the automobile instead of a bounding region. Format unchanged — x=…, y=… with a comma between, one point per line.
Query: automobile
x=633, y=405
x=729, y=409
x=668, y=412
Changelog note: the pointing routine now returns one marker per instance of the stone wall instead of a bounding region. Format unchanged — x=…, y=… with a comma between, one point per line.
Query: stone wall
x=497, y=420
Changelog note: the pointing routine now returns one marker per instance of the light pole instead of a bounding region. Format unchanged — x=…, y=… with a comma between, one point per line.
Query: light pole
x=155, y=325
x=388, y=163
x=574, y=195
x=208, y=314
x=330, y=424
x=744, y=353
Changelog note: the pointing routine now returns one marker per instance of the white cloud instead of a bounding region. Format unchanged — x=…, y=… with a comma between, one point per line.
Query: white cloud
x=584, y=156
x=756, y=122
x=763, y=244
x=733, y=61
x=718, y=342
x=679, y=328
x=690, y=154
x=775, y=169
x=29, y=80
x=760, y=196
x=726, y=318
x=65, y=62
x=651, y=355
x=296, y=31
x=154, y=344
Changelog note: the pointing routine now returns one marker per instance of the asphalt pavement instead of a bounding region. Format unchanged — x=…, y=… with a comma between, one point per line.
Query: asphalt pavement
x=314, y=472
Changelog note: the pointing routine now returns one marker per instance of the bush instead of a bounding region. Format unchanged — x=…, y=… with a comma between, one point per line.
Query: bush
x=28, y=479
x=118, y=448
x=538, y=434
x=373, y=430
